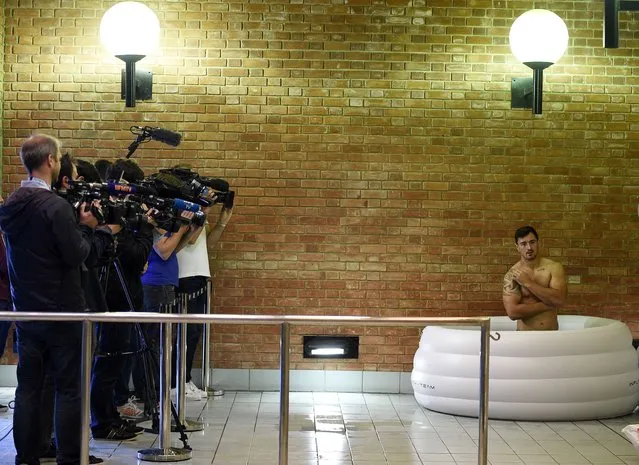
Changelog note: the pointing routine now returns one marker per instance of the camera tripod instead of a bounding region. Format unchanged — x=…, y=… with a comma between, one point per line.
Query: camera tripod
x=144, y=355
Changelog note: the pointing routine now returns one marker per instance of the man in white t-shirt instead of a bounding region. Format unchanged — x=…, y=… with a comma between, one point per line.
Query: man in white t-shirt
x=194, y=273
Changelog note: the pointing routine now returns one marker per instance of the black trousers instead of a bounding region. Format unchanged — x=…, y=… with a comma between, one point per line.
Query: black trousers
x=108, y=365
x=48, y=348
x=158, y=299
x=190, y=285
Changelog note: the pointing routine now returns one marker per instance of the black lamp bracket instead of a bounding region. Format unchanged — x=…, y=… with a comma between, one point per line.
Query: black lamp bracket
x=526, y=92
x=129, y=75
x=611, y=19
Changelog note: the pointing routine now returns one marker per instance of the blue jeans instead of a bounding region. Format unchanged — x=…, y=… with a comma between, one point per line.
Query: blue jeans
x=55, y=348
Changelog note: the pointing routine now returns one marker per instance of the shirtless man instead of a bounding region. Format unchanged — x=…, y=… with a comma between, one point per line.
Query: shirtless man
x=534, y=287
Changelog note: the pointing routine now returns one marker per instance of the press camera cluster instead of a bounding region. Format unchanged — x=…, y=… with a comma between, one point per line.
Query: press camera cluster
x=164, y=196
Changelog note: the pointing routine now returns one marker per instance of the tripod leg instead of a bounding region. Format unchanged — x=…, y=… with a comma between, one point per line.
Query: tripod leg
x=149, y=366
x=152, y=365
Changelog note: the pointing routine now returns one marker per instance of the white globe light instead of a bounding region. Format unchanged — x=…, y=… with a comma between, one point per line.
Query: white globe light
x=129, y=28
x=538, y=36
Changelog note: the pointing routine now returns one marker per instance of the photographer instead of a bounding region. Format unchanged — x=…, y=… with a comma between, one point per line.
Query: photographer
x=5, y=300
x=131, y=254
x=87, y=171
x=161, y=279
x=102, y=166
x=46, y=246
x=193, y=264
x=101, y=243
x=194, y=272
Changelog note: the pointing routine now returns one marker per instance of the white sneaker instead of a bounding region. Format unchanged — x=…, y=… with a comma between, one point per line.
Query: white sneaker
x=196, y=390
x=130, y=410
x=188, y=395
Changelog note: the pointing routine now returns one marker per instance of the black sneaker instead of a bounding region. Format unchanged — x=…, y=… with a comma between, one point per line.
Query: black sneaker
x=50, y=455
x=4, y=408
x=92, y=459
x=115, y=433
x=48, y=458
x=131, y=427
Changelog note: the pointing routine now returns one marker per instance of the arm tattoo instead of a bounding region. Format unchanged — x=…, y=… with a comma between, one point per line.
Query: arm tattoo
x=511, y=287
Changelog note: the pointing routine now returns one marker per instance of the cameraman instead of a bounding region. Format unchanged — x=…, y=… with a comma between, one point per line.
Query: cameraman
x=161, y=279
x=5, y=300
x=134, y=244
x=86, y=171
x=102, y=166
x=45, y=248
x=101, y=243
x=194, y=272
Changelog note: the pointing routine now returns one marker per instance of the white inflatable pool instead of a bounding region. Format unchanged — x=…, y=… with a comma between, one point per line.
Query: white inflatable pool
x=587, y=370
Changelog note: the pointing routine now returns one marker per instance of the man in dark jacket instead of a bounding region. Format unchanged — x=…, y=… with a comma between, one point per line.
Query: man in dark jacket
x=102, y=244
x=112, y=361
x=5, y=301
x=45, y=248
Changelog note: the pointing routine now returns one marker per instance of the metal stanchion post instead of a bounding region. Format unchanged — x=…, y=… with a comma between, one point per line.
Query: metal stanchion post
x=85, y=389
x=165, y=453
x=284, y=392
x=188, y=423
x=207, y=383
x=206, y=335
x=484, y=354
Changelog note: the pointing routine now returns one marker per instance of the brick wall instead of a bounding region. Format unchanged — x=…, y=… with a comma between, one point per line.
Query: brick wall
x=378, y=166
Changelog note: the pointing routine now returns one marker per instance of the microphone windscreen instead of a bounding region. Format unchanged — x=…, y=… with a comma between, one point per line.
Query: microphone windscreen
x=164, y=135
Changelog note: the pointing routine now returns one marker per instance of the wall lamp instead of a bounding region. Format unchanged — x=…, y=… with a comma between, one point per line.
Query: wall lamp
x=130, y=31
x=538, y=39
x=611, y=19
x=331, y=346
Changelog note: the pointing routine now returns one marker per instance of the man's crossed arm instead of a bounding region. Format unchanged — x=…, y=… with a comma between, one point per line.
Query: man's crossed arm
x=547, y=298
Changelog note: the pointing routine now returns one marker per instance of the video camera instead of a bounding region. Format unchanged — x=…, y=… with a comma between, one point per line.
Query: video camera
x=113, y=208
x=189, y=185
x=169, y=212
x=129, y=205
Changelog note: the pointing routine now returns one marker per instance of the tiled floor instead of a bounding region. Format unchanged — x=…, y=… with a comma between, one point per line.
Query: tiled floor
x=241, y=428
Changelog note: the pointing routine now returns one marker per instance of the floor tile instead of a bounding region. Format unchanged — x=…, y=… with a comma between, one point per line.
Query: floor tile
x=334, y=428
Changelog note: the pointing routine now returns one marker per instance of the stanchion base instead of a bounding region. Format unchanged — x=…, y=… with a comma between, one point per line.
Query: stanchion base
x=171, y=454
x=215, y=392
x=190, y=426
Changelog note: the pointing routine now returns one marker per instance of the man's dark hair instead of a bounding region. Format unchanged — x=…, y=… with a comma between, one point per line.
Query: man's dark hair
x=524, y=231
x=66, y=169
x=35, y=151
x=124, y=168
x=88, y=172
x=102, y=166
